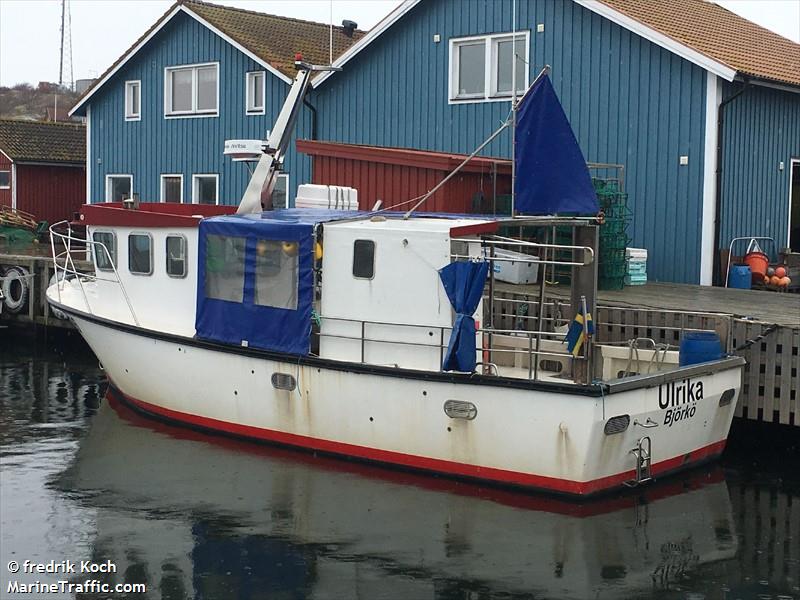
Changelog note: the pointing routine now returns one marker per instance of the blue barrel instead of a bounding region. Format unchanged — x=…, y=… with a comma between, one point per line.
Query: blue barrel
x=740, y=277
x=698, y=347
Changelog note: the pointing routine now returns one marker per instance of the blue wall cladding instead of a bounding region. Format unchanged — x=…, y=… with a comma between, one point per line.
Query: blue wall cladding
x=156, y=145
x=628, y=100
x=761, y=129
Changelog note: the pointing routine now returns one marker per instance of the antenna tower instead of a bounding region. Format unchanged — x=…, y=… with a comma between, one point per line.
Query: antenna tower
x=65, y=75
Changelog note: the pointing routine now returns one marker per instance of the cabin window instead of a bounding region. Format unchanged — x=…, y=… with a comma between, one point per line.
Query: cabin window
x=364, y=259
x=276, y=273
x=191, y=90
x=5, y=180
x=140, y=254
x=205, y=189
x=105, y=255
x=481, y=66
x=176, y=256
x=172, y=188
x=118, y=187
x=133, y=100
x=255, y=92
x=280, y=193
x=224, y=268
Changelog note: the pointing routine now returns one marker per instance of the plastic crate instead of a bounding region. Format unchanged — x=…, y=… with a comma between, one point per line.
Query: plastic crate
x=633, y=280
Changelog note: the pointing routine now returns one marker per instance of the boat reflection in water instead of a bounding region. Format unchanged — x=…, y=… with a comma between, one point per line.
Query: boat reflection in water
x=211, y=518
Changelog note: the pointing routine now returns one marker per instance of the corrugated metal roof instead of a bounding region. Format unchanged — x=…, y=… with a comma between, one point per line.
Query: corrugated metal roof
x=40, y=141
x=719, y=34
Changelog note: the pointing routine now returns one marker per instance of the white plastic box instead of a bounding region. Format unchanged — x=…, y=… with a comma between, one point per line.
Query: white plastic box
x=326, y=196
x=522, y=268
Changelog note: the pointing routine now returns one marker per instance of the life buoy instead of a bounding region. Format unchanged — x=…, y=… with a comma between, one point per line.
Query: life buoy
x=58, y=314
x=16, y=288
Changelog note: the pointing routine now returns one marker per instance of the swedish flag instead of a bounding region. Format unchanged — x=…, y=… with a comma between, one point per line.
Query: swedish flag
x=576, y=335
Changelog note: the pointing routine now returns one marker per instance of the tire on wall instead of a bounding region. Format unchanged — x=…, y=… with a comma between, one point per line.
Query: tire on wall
x=16, y=288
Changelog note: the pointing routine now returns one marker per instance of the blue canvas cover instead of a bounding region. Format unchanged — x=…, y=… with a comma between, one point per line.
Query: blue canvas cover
x=463, y=282
x=231, y=249
x=551, y=172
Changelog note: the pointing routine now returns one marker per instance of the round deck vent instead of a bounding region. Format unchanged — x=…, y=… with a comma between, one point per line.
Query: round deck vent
x=459, y=409
x=617, y=424
x=283, y=381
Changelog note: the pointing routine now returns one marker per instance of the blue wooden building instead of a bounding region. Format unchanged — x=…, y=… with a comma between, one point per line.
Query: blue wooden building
x=701, y=106
x=158, y=118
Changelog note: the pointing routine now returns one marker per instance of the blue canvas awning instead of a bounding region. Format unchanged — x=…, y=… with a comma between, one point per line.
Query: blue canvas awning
x=464, y=283
x=551, y=172
x=255, y=279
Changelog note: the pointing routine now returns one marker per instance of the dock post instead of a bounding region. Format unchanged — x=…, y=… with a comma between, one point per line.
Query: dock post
x=584, y=283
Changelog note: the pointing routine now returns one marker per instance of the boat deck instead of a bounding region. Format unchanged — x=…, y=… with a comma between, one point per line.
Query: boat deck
x=770, y=307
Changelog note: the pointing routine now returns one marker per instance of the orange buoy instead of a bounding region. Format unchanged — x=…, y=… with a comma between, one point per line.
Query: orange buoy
x=774, y=280
x=780, y=271
x=785, y=281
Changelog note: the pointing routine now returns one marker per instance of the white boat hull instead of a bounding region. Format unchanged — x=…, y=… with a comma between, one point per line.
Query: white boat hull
x=543, y=437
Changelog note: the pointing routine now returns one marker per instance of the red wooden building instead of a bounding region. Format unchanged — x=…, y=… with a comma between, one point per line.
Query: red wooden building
x=43, y=168
x=398, y=175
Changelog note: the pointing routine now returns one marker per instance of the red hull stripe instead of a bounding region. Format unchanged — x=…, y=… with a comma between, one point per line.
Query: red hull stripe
x=580, y=488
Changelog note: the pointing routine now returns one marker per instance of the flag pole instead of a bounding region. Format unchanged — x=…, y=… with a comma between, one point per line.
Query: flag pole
x=514, y=105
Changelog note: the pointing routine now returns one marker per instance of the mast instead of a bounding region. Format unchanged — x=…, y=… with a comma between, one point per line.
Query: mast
x=266, y=171
x=513, y=102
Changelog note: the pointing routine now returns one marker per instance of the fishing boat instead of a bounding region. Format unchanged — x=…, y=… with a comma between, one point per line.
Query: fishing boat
x=370, y=334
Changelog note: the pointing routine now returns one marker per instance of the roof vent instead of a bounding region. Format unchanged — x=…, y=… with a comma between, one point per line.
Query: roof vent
x=349, y=27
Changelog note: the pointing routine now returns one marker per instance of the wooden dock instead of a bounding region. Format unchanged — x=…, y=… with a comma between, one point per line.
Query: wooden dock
x=37, y=260
x=763, y=327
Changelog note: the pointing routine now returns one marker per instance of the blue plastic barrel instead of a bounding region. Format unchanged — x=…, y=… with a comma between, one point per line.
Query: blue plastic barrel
x=740, y=277
x=698, y=347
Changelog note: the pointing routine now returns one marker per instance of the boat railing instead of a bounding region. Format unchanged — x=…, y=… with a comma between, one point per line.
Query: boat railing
x=64, y=265
x=526, y=345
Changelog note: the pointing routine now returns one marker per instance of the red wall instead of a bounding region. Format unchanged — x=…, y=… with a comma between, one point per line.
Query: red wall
x=398, y=175
x=5, y=195
x=50, y=193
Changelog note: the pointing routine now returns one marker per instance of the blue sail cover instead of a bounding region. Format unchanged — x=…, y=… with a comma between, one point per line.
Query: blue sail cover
x=255, y=279
x=463, y=282
x=551, y=173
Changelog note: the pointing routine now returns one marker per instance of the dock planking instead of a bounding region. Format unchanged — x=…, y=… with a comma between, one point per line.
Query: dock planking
x=769, y=307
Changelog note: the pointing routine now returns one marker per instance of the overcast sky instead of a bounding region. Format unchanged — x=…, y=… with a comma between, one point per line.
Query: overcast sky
x=103, y=29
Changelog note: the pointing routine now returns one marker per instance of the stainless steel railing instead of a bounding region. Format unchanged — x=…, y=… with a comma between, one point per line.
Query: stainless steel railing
x=64, y=263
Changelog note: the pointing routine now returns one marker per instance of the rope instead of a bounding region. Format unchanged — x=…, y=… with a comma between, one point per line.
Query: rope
x=758, y=338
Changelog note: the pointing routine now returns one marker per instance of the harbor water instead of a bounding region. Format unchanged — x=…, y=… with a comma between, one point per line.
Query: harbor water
x=85, y=480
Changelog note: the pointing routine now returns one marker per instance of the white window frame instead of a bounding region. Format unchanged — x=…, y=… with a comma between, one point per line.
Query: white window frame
x=6, y=187
x=193, y=112
x=185, y=255
x=490, y=93
x=163, y=188
x=113, y=252
x=149, y=236
x=249, y=78
x=195, y=177
x=129, y=114
x=108, y=184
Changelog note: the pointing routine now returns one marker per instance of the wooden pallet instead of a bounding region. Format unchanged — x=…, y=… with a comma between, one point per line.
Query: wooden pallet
x=16, y=218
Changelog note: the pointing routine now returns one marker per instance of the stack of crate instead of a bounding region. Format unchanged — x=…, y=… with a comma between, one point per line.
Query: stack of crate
x=613, y=234
x=636, y=273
